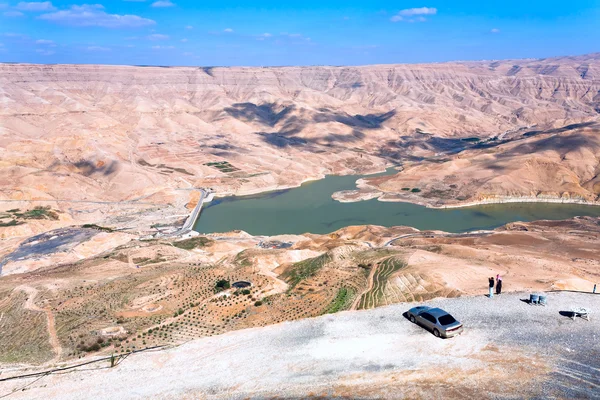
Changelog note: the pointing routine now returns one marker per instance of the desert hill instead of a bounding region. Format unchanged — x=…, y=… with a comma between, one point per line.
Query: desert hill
x=558, y=165
x=117, y=132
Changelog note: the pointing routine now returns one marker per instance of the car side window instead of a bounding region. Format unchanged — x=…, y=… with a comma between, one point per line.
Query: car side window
x=428, y=317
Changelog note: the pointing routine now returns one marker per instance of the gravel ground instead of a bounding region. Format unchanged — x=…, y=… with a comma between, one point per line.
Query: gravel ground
x=58, y=240
x=509, y=349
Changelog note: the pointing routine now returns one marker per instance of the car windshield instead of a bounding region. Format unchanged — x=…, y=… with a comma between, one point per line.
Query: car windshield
x=446, y=319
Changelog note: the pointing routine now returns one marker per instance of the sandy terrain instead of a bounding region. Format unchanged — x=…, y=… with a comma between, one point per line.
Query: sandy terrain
x=161, y=292
x=509, y=349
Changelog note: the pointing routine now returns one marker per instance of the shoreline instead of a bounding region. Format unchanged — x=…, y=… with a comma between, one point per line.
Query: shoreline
x=509, y=200
x=264, y=191
x=498, y=200
x=381, y=196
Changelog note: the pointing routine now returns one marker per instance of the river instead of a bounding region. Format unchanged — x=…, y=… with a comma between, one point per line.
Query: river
x=310, y=208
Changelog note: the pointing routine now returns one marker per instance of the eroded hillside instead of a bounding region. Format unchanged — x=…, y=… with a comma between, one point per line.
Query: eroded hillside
x=96, y=142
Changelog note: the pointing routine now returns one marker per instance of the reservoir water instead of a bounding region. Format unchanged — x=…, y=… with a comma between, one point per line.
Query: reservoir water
x=310, y=208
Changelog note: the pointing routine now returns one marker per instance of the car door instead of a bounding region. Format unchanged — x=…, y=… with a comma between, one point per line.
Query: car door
x=427, y=320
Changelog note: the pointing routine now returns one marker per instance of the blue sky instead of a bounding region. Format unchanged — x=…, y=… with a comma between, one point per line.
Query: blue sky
x=264, y=32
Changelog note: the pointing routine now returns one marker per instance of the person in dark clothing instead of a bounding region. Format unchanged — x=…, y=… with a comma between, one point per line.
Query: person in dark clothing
x=498, y=284
x=491, y=282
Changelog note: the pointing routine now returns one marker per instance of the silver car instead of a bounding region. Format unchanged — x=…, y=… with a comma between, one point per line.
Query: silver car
x=436, y=320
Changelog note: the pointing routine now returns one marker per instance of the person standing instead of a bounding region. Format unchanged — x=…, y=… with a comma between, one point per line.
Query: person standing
x=491, y=282
x=498, y=284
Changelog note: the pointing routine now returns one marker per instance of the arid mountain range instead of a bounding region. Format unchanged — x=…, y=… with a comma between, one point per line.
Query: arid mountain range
x=137, y=134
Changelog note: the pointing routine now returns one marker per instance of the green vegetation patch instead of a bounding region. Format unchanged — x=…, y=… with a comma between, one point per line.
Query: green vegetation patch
x=223, y=166
x=305, y=269
x=98, y=228
x=38, y=212
x=192, y=243
x=415, y=190
x=169, y=170
x=12, y=222
x=342, y=301
x=221, y=285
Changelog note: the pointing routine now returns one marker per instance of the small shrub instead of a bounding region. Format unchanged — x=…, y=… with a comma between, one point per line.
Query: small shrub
x=415, y=190
x=258, y=303
x=221, y=285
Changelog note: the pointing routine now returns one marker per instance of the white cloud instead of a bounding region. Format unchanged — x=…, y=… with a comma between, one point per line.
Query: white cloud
x=189, y=27
x=264, y=36
x=35, y=6
x=97, y=48
x=495, y=30
x=13, y=14
x=45, y=42
x=45, y=52
x=158, y=36
x=183, y=40
x=409, y=13
x=15, y=35
x=297, y=37
x=418, y=11
x=162, y=47
x=94, y=15
x=187, y=54
x=3, y=6
x=228, y=30
x=163, y=3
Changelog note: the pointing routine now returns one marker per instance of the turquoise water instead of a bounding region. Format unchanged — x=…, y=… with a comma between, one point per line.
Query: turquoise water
x=310, y=208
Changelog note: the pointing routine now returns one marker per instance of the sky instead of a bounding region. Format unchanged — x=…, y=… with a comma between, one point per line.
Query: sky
x=309, y=32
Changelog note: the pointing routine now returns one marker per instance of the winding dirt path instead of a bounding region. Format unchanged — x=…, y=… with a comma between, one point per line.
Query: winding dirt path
x=53, y=337
x=369, y=287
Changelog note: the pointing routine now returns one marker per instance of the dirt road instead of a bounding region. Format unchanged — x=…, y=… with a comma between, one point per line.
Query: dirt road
x=53, y=337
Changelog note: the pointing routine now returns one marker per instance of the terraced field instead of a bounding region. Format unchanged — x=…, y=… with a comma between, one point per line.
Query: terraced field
x=375, y=296
x=305, y=269
x=24, y=337
x=416, y=287
x=341, y=302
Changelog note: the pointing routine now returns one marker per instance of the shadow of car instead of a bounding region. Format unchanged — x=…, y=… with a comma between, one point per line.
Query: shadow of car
x=436, y=320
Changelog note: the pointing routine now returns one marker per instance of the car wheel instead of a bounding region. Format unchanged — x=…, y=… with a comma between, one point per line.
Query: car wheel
x=412, y=319
x=436, y=333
